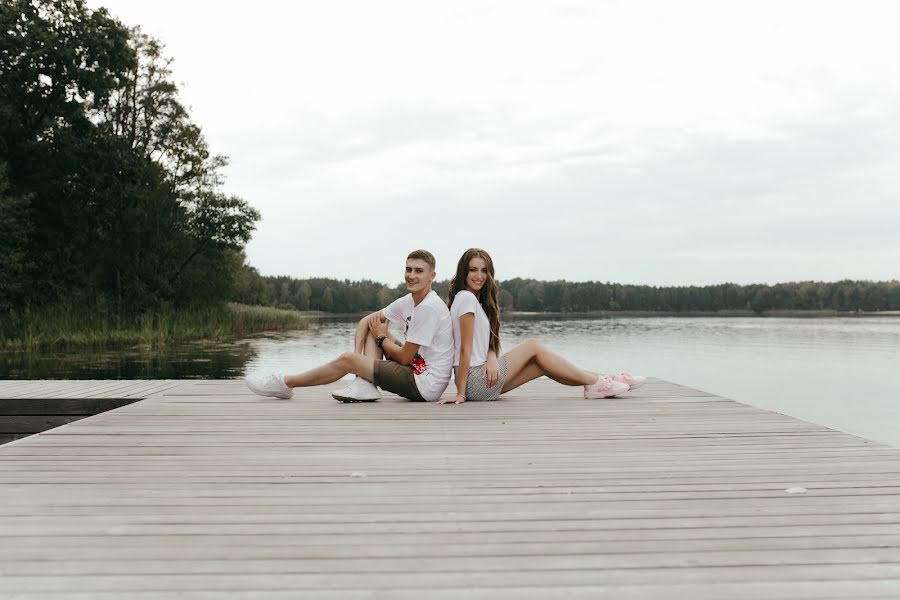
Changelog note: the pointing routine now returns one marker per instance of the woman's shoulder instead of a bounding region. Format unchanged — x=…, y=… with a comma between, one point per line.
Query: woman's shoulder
x=463, y=298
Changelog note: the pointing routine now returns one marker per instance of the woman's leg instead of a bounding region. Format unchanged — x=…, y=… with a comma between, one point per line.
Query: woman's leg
x=530, y=372
x=348, y=362
x=531, y=359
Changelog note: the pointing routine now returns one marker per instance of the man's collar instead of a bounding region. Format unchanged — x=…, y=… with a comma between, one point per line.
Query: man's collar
x=430, y=291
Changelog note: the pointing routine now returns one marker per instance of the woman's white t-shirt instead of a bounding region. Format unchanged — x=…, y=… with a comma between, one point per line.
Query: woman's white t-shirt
x=464, y=303
x=427, y=325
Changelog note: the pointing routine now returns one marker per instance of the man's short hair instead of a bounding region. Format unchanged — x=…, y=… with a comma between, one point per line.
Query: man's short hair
x=423, y=255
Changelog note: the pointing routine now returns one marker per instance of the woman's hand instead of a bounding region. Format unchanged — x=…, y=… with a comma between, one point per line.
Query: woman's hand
x=492, y=370
x=458, y=399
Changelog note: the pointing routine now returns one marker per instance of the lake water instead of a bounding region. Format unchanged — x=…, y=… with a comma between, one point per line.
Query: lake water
x=840, y=372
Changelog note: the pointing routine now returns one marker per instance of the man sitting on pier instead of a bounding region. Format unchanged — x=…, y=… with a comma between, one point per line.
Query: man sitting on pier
x=417, y=369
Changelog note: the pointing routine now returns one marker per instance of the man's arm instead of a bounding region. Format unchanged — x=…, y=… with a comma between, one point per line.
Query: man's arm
x=402, y=354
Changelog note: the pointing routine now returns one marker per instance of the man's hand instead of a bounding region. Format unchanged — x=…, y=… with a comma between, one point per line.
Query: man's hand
x=458, y=399
x=492, y=370
x=378, y=325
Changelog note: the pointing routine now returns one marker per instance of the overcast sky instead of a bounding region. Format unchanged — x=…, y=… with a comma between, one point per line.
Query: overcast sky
x=636, y=142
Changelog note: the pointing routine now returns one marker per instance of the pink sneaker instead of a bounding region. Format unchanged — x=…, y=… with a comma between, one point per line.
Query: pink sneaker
x=604, y=388
x=632, y=381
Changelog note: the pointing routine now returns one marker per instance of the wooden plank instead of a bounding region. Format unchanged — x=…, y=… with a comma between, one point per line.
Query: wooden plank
x=806, y=590
x=38, y=388
x=434, y=560
x=864, y=578
x=204, y=490
x=11, y=386
x=86, y=388
x=122, y=548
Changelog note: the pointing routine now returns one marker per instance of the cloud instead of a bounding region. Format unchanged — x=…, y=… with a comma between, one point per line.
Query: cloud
x=652, y=142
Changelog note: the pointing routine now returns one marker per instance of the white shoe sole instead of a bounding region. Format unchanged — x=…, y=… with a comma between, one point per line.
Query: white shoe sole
x=279, y=395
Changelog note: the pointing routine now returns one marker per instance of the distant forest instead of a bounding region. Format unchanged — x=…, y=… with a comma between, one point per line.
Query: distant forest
x=345, y=296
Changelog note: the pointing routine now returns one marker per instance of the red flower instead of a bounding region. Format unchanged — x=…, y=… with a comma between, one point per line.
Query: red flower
x=418, y=364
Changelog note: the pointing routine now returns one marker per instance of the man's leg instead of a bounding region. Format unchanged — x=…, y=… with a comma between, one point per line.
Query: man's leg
x=348, y=362
x=362, y=333
x=361, y=363
x=364, y=343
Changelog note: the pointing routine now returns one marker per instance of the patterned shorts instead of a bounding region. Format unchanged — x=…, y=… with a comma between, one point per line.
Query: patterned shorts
x=477, y=385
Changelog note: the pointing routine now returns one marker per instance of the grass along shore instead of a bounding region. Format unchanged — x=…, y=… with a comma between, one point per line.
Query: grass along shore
x=71, y=328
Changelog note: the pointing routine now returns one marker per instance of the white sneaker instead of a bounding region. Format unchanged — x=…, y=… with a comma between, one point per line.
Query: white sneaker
x=359, y=390
x=344, y=391
x=270, y=385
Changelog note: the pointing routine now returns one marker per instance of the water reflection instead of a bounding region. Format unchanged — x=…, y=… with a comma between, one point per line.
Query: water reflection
x=186, y=361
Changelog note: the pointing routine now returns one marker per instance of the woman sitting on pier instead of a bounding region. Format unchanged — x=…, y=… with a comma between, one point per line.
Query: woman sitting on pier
x=481, y=373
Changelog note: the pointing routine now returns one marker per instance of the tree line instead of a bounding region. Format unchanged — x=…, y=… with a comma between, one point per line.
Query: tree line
x=109, y=194
x=563, y=296
x=111, y=200
x=530, y=295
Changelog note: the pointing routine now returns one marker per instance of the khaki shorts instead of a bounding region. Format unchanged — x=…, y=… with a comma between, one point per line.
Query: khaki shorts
x=397, y=378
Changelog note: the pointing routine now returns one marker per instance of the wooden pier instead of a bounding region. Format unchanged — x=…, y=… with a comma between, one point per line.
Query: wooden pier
x=202, y=490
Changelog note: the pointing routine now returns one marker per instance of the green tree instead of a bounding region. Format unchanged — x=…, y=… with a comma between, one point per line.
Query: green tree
x=328, y=300
x=531, y=298
x=126, y=208
x=304, y=293
x=14, y=229
x=56, y=60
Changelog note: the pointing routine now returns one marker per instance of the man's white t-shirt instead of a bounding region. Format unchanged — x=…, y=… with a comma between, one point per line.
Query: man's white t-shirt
x=427, y=325
x=463, y=303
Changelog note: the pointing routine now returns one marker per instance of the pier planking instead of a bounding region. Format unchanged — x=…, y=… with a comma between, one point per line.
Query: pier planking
x=202, y=490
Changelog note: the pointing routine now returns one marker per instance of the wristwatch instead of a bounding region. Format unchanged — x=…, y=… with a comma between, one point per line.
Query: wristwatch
x=380, y=340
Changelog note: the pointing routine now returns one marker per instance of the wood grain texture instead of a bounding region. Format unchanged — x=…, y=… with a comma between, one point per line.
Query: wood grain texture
x=202, y=490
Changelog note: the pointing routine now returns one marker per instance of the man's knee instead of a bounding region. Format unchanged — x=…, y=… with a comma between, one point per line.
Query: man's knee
x=347, y=359
x=363, y=325
x=358, y=364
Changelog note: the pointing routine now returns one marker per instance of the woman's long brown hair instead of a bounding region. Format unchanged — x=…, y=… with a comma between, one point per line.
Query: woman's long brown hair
x=487, y=296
